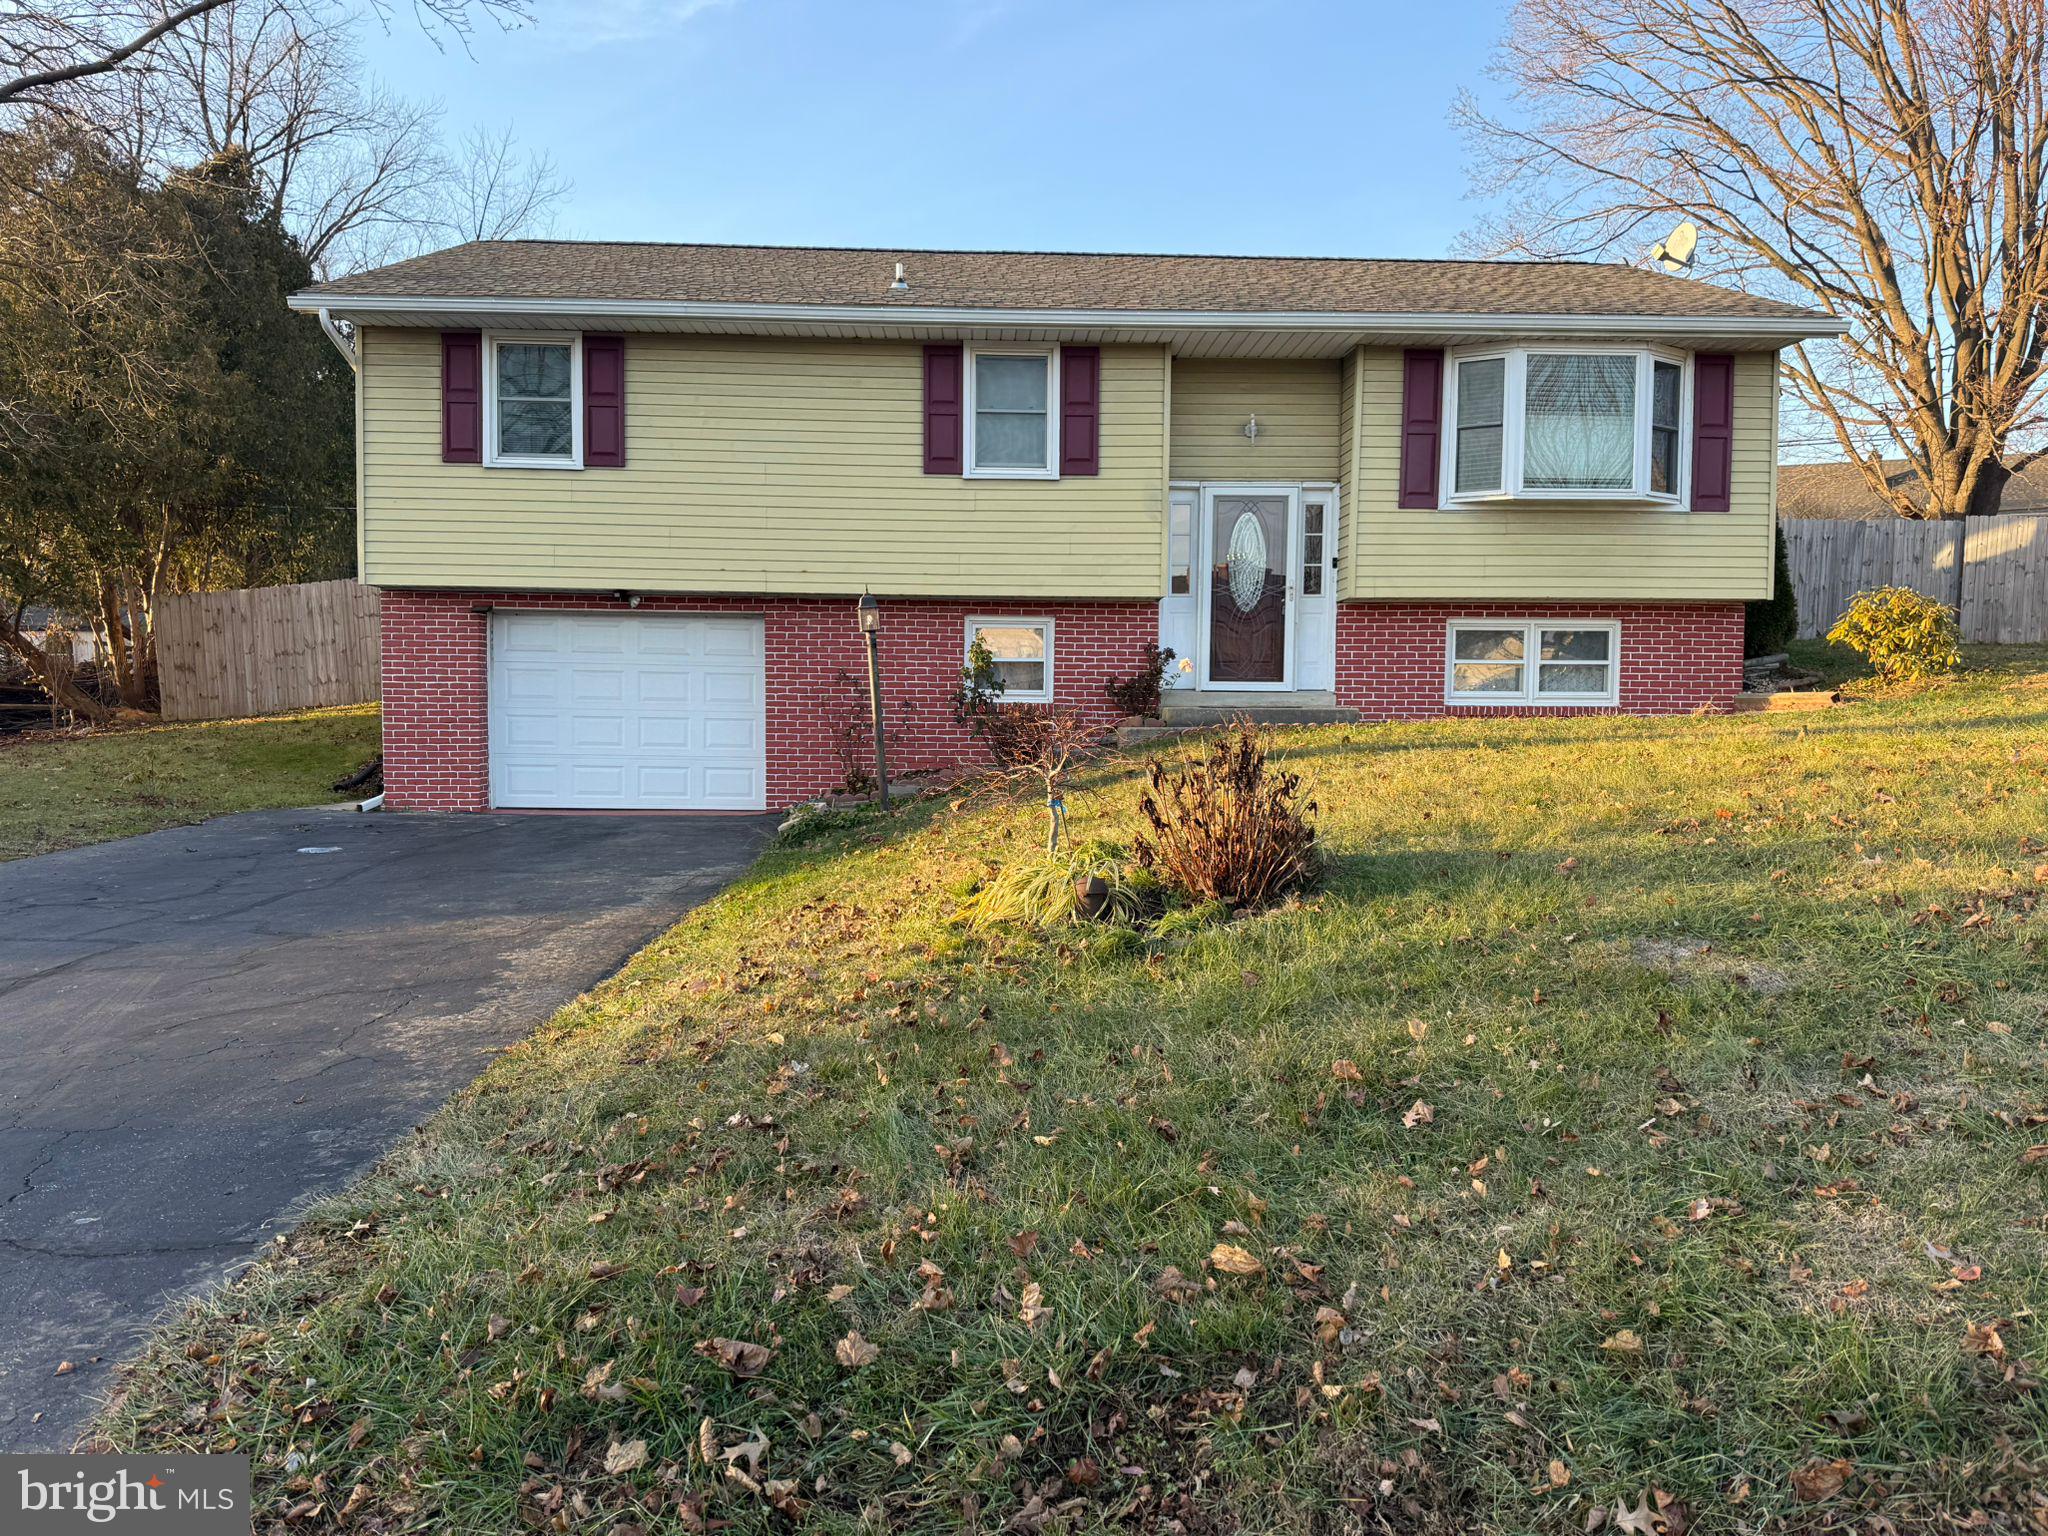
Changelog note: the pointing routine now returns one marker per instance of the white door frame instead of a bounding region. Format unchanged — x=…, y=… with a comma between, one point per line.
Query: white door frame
x=1205, y=566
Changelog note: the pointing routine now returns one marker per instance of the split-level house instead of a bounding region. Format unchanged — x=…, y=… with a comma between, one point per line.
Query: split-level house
x=621, y=499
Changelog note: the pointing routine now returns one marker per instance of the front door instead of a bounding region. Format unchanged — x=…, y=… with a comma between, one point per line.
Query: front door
x=1248, y=599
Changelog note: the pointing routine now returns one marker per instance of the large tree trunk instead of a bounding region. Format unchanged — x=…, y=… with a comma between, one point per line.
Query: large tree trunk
x=54, y=680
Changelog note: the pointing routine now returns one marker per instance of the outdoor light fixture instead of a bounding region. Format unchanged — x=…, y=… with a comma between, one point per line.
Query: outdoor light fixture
x=1251, y=429
x=869, y=614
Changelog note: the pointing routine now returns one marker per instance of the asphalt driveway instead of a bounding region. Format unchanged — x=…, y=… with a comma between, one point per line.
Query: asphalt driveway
x=202, y=1027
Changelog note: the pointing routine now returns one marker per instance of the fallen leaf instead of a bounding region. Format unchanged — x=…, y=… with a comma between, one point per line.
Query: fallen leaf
x=1984, y=1339
x=1560, y=1474
x=739, y=1356
x=1819, y=1480
x=1233, y=1260
x=625, y=1457
x=853, y=1351
x=1622, y=1342
x=1419, y=1113
x=1346, y=1071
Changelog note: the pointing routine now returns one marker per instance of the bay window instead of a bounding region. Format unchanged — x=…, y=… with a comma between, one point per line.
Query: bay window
x=1580, y=424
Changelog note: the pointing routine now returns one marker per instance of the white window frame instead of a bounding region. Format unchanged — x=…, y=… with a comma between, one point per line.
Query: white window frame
x=1532, y=636
x=1051, y=470
x=1016, y=695
x=492, y=457
x=1514, y=424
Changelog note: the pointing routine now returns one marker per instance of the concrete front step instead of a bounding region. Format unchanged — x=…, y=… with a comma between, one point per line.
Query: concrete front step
x=1220, y=708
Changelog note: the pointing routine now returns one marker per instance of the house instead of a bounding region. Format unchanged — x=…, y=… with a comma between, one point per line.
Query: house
x=1835, y=488
x=621, y=499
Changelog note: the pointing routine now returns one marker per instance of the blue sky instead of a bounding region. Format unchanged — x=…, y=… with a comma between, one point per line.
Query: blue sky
x=1311, y=127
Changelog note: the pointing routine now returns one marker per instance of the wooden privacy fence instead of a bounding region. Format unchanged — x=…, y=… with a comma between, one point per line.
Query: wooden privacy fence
x=1994, y=570
x=222, y=655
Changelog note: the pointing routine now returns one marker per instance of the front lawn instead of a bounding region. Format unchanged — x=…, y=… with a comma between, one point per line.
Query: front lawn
x=57, y=792
x=1644, y=1126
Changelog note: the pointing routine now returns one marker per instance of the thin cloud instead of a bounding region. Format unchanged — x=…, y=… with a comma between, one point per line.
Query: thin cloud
x=600, y=23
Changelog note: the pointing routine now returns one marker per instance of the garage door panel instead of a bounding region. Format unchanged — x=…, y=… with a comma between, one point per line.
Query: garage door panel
x=731, y=733
x=729, y=639
x=597, y=685
x=664, y=686
x=598, y=637
x=533, y=732
x=628, y=711
x=727, y=687
x=597, y=733
x=527, y=684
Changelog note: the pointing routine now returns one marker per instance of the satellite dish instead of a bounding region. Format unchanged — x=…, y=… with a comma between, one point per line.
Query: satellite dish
x=1674, y=252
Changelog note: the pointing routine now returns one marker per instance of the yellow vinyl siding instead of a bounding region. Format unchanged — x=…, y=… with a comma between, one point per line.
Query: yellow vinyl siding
x=759, y=465
x=1554, y=550
x=1297, y=406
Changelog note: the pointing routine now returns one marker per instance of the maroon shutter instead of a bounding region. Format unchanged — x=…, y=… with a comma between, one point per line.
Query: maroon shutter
x=1713, y=430
x=604, y=402
x=944, y=405
x=462, y=397
x=1422, y=428
x=1080, y=410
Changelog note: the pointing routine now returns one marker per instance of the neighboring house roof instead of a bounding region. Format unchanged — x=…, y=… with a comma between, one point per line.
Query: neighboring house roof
x=1838, y=489
x=752, y=284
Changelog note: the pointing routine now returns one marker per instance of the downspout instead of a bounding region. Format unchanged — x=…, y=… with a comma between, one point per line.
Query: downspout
x=341, y=342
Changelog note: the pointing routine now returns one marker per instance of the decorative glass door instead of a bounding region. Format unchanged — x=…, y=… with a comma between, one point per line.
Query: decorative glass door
x=1250, y=547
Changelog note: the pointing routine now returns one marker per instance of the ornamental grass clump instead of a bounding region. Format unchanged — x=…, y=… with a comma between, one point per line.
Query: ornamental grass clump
x=1228, y=826
x=1905, y=635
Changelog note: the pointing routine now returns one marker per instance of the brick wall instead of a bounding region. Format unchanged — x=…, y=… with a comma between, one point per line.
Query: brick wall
x=436, y=747
x=1675, y=657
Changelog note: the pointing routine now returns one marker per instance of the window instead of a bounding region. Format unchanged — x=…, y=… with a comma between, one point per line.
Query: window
x=1180, y=544
x=1495, y=661
x=1012, y=430
x=535, y=401
x=1022, y=652
x=1588, y=424
x=1314, y=536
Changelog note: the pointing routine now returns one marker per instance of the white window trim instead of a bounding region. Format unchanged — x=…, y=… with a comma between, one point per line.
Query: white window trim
x=1016, y=695
x=1051, y=471
x=1514, y=422
x=1531, y=645
x=493, y=458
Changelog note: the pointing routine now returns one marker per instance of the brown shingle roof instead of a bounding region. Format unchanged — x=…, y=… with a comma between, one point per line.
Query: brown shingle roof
x=1837, y=489
x=1037, y=280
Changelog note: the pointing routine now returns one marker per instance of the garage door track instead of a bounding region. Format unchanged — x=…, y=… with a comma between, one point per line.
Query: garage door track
x=202, y=1027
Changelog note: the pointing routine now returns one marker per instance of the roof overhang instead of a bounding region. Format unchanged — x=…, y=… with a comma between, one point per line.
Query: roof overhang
x=1189, y=332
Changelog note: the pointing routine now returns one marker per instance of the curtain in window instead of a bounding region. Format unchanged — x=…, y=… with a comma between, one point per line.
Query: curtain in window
x=1580, y=423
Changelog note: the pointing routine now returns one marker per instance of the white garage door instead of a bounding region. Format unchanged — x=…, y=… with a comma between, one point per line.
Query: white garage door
x=628, y=711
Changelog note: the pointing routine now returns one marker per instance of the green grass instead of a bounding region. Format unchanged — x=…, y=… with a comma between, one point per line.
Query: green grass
x=1731, y=1036
x=58, y=792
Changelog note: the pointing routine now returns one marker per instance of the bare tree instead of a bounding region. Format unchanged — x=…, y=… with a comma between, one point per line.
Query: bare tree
x=1883, y=159
x=48, y=46
x=493, y=192
x=357, y=173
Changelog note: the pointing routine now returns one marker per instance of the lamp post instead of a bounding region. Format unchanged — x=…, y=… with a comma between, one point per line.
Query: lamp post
x=870, y=613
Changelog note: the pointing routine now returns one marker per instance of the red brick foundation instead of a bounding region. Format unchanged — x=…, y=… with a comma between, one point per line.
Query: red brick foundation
x=1675, y=657
x=435, y=649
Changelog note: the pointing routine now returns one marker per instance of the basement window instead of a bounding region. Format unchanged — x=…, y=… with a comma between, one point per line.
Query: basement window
x=1022, y=652
x=1512, y=661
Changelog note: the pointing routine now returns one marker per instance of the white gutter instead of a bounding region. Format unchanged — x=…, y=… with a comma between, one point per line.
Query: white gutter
x=1759, y=327
x=341, y=343
x=374, y=803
